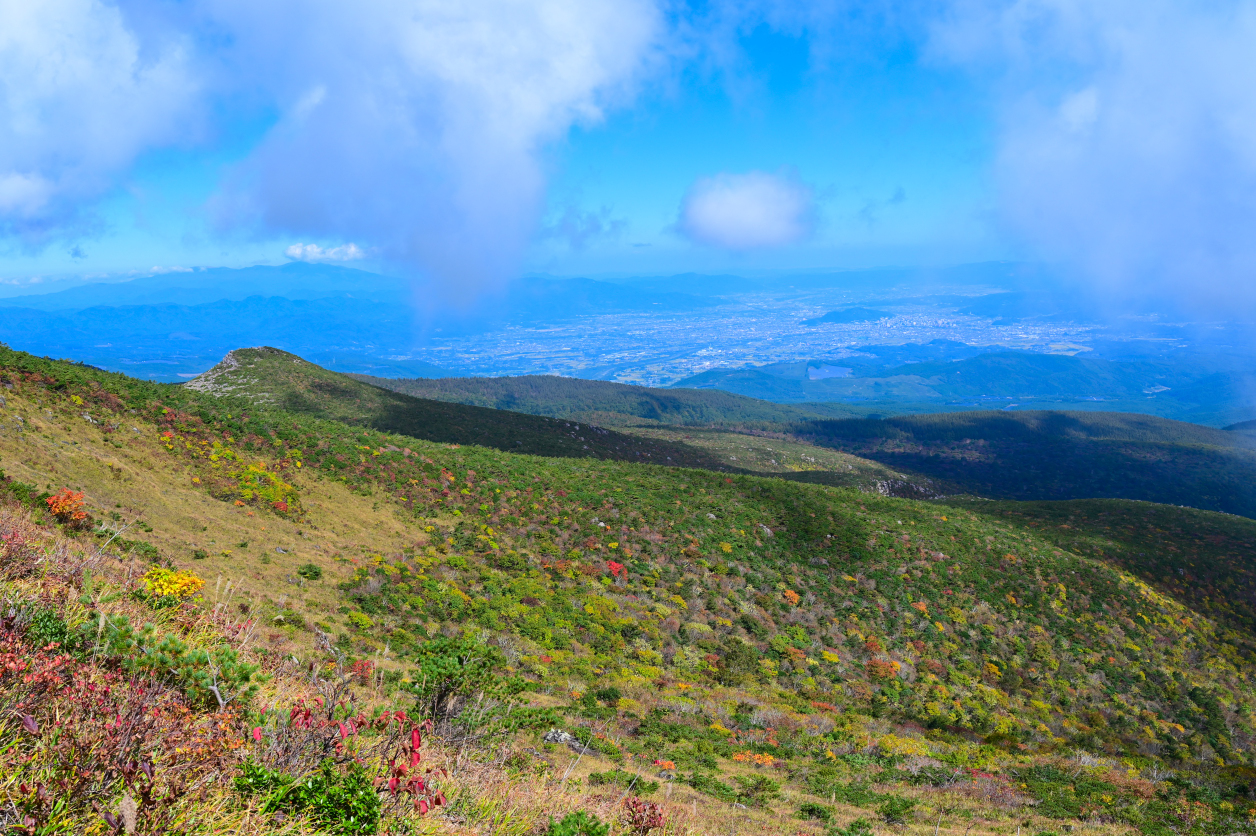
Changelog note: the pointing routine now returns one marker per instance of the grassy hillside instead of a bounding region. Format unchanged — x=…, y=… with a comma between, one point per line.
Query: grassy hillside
x=276, y=379
x=771, y=454
x=610, y=404
x=1059, y=455
x=814, y=654
x=1201, y=557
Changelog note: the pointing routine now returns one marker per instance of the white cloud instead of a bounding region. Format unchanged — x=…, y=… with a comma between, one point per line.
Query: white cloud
x=313, y=252
x=748, y=211
x=1127, y=146
x=81, y=95
x=416, y=128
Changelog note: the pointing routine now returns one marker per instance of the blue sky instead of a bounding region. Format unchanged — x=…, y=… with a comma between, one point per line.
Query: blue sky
x=467, y=144
x=896, y=154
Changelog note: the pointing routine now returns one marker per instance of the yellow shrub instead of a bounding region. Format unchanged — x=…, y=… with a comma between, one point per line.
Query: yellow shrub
x=894, y=745
x=164, y=582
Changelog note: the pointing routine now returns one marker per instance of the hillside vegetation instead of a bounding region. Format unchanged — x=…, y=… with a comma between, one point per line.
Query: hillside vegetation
x=1059, y=455
x=268, y=377
x=1201, y=557
x=773, y=454
x=818, y=655
x=610, y=404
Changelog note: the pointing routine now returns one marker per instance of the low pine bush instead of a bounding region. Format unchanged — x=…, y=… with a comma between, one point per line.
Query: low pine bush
x=627, y=780
x=810, y=811
x=859, y=827
x=343, y=802
x=578, y=823
x=896, y=809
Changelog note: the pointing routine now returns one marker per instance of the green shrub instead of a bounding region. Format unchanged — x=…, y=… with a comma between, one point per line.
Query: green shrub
x=578, y=823
x=459, y=683
x=814, y=812
x=310, y=571
x=341, y=803
x=859, y=827
x=709, y=785
x=46, y=627
x=209, y=677
x=757, y=790
x=753, y=791
x=607, y=696
x=508, y=561
x=618, y=777
x=896, y=809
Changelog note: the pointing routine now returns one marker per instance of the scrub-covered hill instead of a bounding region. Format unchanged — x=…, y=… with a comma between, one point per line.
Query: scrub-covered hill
x=806, y=651
x=271, y=378
x=1059, y=455
x=279, y=380
x=611, y=404
x=1202, y=557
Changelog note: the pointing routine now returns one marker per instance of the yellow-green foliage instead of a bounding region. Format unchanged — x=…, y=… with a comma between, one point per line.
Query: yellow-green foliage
x=162, y=582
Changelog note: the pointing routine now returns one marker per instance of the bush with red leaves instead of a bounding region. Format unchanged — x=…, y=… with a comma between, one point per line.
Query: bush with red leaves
x=642, y=816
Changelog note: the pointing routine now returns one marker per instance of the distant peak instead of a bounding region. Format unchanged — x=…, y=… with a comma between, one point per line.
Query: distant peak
x=229, y=374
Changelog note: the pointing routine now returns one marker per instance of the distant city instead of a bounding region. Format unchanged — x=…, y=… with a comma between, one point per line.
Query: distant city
x=755, y=329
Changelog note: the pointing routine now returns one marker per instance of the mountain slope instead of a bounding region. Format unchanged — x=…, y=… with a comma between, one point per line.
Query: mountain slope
x=271, y=378
x=867, y=652
x=1200, y=557
x=1059, y=455
x=611, y=403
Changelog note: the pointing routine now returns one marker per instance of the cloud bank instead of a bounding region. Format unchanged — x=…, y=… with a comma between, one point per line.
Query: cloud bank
x=415, y=127
x=82, y=94
x=747, y=211
x=1127, y=146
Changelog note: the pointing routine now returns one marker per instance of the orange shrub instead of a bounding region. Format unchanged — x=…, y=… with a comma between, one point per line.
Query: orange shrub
x=880, y=669
x=67, y=506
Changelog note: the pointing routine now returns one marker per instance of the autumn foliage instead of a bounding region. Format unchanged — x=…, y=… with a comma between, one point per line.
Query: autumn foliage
x=67, y=506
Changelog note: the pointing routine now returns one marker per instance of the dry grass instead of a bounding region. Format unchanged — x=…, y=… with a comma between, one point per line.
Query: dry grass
x=138, y=479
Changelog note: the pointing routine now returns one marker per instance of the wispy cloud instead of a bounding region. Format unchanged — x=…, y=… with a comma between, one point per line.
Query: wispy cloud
x=416, y=128
x=82, y=94
x=313, y=252
x=413, y=128
x=748, y=211
x=579, y=228
x=1127, y=146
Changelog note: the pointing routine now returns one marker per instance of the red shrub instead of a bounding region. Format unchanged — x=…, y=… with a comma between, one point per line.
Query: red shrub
x=642, y=816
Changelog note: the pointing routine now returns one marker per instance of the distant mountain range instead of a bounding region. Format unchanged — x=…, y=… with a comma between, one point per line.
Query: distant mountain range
x=178, y=324
x=612, y=404
x=966, y=377
x=173, y=326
